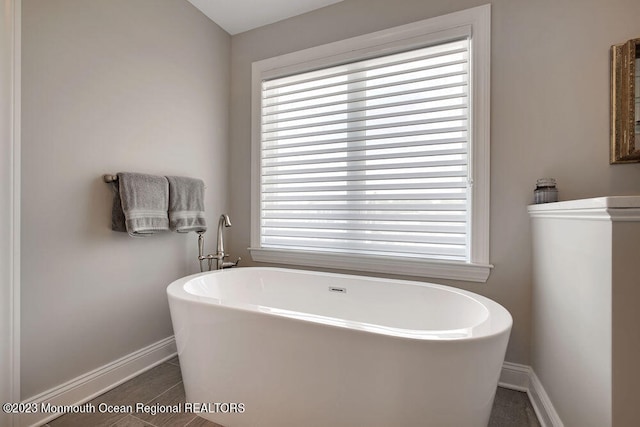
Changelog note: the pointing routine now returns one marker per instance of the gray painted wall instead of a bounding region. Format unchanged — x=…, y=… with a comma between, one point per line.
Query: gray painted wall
x=108, y=86
x=549, y=114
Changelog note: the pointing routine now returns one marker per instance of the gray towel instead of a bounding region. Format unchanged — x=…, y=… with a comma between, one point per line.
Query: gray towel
x=144, y=201
x=186, y=204
x=117, y=216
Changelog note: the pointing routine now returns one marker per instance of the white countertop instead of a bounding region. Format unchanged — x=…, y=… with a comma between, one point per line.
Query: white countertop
x=609, y=202
x=611, y=208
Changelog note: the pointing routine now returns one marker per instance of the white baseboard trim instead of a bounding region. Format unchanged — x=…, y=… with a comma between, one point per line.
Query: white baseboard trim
x=85, y=387
x=522, y=378
x=515, y=376
x=542, y=404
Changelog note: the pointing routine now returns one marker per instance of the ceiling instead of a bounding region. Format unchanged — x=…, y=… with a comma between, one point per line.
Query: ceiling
x=237, y=16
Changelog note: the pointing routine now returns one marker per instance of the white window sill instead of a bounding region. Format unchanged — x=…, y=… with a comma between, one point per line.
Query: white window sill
x=407, y=266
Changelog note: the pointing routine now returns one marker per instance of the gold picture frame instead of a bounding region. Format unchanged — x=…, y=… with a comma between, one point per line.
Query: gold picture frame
x=625, y=102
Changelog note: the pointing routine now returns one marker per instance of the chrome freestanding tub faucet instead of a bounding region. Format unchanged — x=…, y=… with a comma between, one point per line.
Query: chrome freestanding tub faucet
x=220, y=255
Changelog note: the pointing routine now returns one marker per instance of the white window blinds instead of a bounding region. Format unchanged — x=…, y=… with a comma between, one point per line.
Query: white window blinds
x=369, y=157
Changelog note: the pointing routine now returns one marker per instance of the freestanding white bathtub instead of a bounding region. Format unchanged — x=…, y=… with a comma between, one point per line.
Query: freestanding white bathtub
x=298, y=348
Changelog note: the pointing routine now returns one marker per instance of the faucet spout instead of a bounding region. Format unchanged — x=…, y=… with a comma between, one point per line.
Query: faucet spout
x=223, y=222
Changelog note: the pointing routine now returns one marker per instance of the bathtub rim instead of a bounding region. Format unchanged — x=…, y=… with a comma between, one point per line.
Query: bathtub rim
x=504, y=324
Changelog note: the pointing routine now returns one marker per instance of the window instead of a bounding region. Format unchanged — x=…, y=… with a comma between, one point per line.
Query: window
x=372, y=153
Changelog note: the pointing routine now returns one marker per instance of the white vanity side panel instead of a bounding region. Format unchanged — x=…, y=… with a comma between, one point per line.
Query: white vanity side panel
x=626, y=323
x=571, y=307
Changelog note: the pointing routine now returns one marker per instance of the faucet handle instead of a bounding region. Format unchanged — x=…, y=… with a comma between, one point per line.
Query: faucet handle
x=229, y=264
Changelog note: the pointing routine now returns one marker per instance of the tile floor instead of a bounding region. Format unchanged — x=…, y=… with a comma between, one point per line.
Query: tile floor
x=163, y=385
x=512, y=409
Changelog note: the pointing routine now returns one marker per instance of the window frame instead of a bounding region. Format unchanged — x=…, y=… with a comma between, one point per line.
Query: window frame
x=475, y=22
